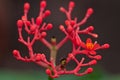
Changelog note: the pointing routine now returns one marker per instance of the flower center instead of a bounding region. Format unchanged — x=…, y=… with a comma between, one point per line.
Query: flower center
x=89, y=46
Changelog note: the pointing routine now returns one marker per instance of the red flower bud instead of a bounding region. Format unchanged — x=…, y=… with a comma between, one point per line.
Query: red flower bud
x=26, y=6
x=43, y=4
x=47, y=13
x=69, y=29
x=48, y=71
x=67, y=22
x=89, y=11
x=90, y=28
x=72, y=22
x=24, y=18
x=89, y=70
x=19, y=23
x=62, y=9
x=43, y=34
x=38, y=57
x=98, y=57
x=39, y=20
x=61, y=27
x=71, y=4
x=32, y=28
x=93, y=62
x=49, y=26
x=106, y=45
x=70, y=55
x=16, y=53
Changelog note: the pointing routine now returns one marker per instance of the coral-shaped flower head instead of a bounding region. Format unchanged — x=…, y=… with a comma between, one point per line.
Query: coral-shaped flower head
x=37, y=28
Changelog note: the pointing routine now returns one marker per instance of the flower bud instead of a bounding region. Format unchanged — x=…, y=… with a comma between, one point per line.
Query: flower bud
x=16, y=53
x=43, y=4
x=71, y=4
x=61, y=27
x=106, y=45
x=48, y=71
x=72, y=22
x=19, y=23
x=24, y=18
x=26, y=6
x=47, y=13
x=89, y=11
x=38, y=57
x=67, y=22
x=90, y=28
x=70, y=55
x=69, y=29
x=62, y=9
x=39, y=20
x=93, y=62
x=32, y=28
x=89, y=70
x=49, y=26
x=98, y=57
x=43, y=34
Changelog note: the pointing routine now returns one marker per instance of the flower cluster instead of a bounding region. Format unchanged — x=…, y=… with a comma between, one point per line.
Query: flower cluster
x=38, y=28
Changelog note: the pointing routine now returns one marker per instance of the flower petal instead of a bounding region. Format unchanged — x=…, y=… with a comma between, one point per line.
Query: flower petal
x=96, y=46
x=88, y=40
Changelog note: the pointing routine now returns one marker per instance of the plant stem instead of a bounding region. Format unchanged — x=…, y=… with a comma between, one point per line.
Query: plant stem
x=53, y=50
x=53, y=54
x=49, y=78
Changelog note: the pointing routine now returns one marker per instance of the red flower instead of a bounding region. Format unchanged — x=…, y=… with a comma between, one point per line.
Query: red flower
x=91, y=47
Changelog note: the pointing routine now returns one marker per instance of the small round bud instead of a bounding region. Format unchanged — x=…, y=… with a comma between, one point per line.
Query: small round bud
x=89, y=70
x=24, y=18
x=69, y=29
x=43, y=57
x=98, y=57
x=43, y=4
x=19, y=23
x=48, y=71
x=38, y=57
x=62, y=9
x=61, y=27
x=47, y=13
x=72, y=22
x=39, y=20
x=43, y=34
x=16, y=53
x=32, y=28
x=71, y=4
x=70, y=55
x=93, y=62
x=49, y=26
x=67, y=22
x=90, y=28
x=106, y=45
x=89, y=11
x=26, y=6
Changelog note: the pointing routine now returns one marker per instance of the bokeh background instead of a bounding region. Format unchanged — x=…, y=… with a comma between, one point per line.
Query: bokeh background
x=105, y=19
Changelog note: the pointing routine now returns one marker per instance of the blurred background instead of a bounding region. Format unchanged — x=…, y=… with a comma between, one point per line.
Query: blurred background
x=105, y=20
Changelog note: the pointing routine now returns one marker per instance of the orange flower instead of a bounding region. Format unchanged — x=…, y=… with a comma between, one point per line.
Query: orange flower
x=91, y=47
